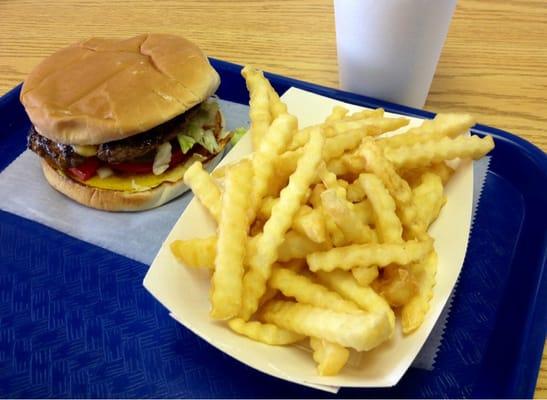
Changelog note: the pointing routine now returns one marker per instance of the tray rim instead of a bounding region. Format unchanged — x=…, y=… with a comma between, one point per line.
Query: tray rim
x=531, y=151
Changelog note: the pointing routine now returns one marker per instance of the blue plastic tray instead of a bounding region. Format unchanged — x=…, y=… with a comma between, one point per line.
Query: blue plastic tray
x=75, y=320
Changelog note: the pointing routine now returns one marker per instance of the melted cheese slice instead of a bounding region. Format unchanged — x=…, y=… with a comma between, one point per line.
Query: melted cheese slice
x=140, y=182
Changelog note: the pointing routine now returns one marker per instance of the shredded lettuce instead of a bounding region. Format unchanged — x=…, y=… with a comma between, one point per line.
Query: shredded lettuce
x=209, y=141
x=195, y=132
x=204, y=138
x=238, y=134
x=186, y=142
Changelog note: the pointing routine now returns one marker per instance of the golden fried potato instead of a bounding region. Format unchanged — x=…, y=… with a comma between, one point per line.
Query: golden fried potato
x=204, y=188
x=341, y=211
x=310, y=223
x=337, y=113
x=423, y=154
x=264, y=333
x=443, y=125
x=396, y=285
x=366, y=298
x=413, y=312
x=362, y=331
x=197, y=253
x=330, y=357
x=388, y=225
x=273, y=143
x=259, y=104
x=296, y=246
x=365, y=275
x=305, y=291
x=366, y=255
x=227, y=280
x=429, y=198
x=290, y=200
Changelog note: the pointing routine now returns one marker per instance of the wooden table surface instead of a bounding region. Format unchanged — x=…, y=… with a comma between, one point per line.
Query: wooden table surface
x=493, y=65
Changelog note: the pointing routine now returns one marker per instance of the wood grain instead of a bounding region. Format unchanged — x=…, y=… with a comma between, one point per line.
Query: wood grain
x=494, y=63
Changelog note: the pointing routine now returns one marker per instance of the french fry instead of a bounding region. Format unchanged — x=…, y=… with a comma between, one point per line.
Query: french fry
x=422, y=154
x=414, y=175
x=365, y=275
x=358, y=255
x=345, y=218
x=279, y=223
x=377, y=164
x=363, y=211
x=443, y=125
x=268, y=295
x=201, y=253
x=305, y=291
x=264, y=333
x=397, y=187
x=361, y=332
x=295, y=265
x=226, y=283
x=396, y=285
x=414, y=312
x=294, y=247
x=337, y=113
x=348, y=165
x=285, y=165
x=335, y=234
x=265, y=209
x=196, y=253
x=259, y=104
x=355, y=192
x=442, y=170
x=370, y=125
x=386, y=220
x=330, y=182
x=204, y=188
x=310, y=223
x=429, y=199
x=366, y=298
x=339, y=144
x=366, y=113
x=315, y=197
x=330, y=357
x=277, y=107
x=307, y=221
x=273, y=143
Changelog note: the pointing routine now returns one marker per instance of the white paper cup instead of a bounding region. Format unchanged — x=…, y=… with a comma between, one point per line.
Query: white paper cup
x=389, y=49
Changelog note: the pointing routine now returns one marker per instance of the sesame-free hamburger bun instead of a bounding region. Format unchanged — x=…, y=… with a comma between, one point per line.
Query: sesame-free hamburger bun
x=117, y=122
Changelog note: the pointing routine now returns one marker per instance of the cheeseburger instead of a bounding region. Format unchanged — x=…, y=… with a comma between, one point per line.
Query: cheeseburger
x=118, y=122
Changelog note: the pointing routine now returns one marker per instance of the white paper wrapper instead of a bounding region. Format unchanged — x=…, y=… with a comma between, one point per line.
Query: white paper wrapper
x=185, y=291
x=134, y=235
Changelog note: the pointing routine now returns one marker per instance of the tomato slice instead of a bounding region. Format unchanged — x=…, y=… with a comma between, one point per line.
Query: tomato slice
x=89, y=167
x=86, y=170
x=176, y=158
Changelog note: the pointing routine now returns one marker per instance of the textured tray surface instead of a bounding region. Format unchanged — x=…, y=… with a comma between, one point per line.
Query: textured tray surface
x=75, y=320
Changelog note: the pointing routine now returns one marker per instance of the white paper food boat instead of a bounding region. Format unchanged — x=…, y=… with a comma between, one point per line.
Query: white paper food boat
x=185, y=292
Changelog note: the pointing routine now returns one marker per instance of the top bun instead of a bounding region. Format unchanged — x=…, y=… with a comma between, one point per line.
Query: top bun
x=101, y=90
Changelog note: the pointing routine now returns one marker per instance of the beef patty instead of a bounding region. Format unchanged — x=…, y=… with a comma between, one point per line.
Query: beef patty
x=138, y=147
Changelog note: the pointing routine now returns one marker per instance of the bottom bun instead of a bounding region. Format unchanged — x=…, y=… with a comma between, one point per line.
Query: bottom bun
x=112, y=200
